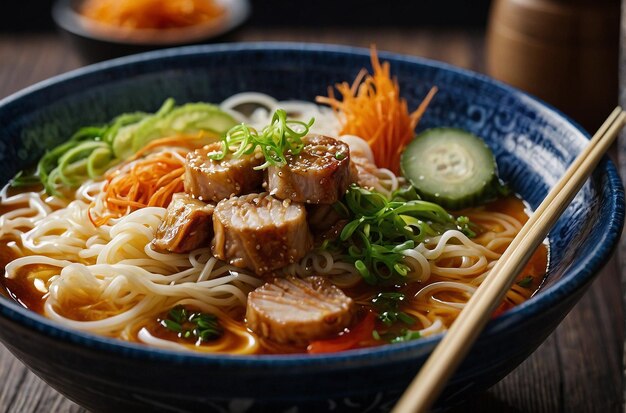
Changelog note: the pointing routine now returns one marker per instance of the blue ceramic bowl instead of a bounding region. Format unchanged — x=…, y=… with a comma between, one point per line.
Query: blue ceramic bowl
x=533, y=144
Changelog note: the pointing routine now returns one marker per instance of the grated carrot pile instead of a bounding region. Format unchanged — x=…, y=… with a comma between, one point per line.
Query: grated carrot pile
x=152, y=14
x=147, y=181
x=372, y=109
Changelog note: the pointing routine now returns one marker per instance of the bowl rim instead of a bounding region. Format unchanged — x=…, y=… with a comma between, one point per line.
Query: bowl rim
x=67, y=18
x=573, y=280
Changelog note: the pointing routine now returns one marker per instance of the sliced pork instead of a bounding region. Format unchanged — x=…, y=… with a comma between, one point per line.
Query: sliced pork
x=319, y=174
x=210, y=180
x=260, y=232
x=187, y=225
x=296, y=311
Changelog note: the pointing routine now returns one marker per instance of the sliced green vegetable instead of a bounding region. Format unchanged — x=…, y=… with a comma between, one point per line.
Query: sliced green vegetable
x=124, y=142
x=196, y=117
x=121, y=121
x=381, y=229
x=275, y=141
x=192, y=325
x=406, y=335
x=73, y=163
x=48, y=167
x=24, y=179
x=94, y=149
x=387, y=305
x=525, y=282
x=99, y=161
x=451, y=167
x=189, y=118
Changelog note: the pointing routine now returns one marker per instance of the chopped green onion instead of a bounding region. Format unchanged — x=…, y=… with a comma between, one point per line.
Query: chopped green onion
x=192, y=325
x=381, y=230
x=406, y=335
x=172, y=325
x=22, y=179
x=525, y=282
x=388, y=306
x=280, y=138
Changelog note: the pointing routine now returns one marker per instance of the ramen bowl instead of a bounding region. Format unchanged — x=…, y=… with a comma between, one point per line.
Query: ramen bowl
x=532, y=142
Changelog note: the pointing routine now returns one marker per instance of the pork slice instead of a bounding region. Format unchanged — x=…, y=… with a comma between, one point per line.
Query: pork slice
x=211, y=180
x=187, y=225
x=319, y=174
x=297, y=311
x=260, y=232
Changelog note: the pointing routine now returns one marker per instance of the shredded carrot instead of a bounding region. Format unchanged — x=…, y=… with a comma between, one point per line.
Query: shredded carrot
x=372, y=108
x=152, y=14
x=149, y=178
x=150, y=181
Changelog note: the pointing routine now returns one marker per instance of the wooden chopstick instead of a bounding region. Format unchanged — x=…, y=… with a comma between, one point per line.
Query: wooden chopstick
x=430, y=381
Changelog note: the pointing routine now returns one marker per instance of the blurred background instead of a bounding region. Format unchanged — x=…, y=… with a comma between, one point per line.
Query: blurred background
x=35, y=14
x=563, y=51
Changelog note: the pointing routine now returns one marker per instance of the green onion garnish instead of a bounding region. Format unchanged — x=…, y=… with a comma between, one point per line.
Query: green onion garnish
x=281, y=137
x=525, y=282
x=381, y=230
x=406, y=335
x=388, y=306
x=192, y=325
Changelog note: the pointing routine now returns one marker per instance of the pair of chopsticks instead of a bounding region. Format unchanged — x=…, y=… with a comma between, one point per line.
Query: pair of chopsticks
x=430, y=381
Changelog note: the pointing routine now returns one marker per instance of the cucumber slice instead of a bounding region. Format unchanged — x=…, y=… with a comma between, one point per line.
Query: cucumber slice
x=451, y=167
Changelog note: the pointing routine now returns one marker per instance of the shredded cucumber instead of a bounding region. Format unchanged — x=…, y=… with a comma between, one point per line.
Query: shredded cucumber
x=93, y=149
x=451, y=167
x=189, y=118
x=124, y=142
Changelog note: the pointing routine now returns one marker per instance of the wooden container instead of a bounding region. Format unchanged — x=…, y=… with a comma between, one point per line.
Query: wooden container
x=562, y=51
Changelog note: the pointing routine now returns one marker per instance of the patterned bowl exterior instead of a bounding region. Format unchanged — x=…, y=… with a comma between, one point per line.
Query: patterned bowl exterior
x=533, y=144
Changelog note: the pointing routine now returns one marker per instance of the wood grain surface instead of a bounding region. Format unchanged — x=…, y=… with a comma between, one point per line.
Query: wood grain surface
x=577, y=369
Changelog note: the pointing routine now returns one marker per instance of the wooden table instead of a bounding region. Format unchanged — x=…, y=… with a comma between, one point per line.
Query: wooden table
x=577, y=369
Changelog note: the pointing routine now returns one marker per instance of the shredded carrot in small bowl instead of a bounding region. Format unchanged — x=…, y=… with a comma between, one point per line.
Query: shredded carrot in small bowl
x=372, y=109
x=152, y=14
